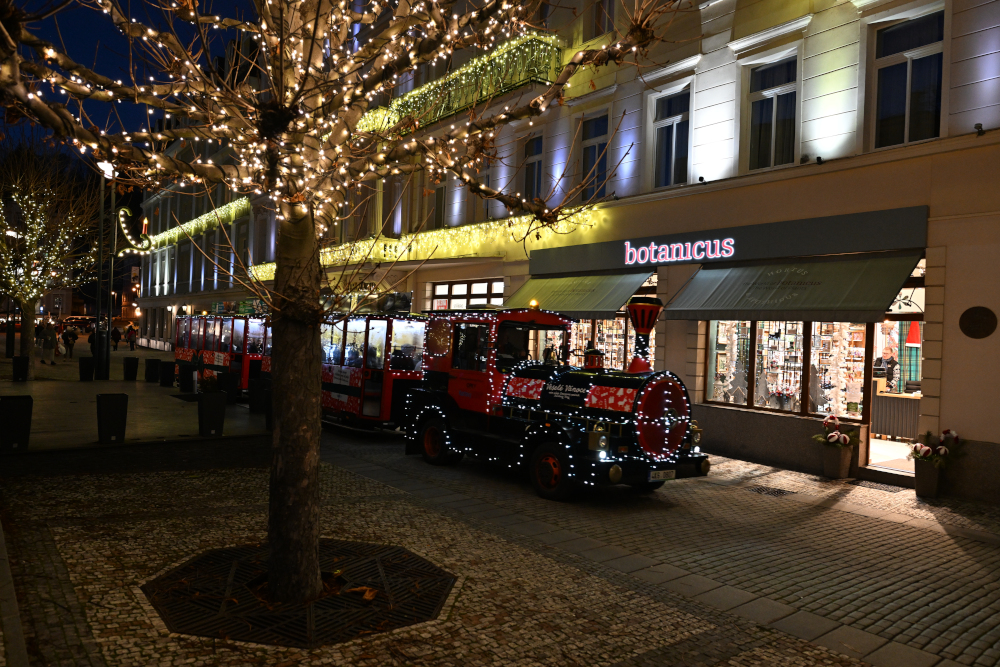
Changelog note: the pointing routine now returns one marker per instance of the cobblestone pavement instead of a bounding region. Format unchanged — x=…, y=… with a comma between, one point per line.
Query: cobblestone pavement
x=887, y=566
x=528, y=592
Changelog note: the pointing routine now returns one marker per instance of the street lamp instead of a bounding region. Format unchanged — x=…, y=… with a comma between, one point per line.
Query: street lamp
x=104, y=347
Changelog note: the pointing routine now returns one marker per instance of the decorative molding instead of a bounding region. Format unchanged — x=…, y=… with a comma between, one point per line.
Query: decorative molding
x=685, y=65
x=593, y=96
x=750, y=41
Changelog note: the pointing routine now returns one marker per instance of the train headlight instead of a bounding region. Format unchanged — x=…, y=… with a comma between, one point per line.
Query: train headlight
x=602, y=455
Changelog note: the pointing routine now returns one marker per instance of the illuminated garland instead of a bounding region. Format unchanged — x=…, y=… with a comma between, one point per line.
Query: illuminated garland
x=144, y=245
x=478, y=240
x=517, y=62
x=225, y=214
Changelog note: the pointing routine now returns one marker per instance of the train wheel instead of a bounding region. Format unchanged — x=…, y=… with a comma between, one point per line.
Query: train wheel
x=433, y=439
x=647, y=487
x=550, y=473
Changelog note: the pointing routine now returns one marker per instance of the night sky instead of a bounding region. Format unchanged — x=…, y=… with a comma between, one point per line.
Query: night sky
x=91, y=39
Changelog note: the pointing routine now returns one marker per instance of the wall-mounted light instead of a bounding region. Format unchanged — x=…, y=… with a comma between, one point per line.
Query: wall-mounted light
x=170, y=308
x=107, y=169
x=979, y=129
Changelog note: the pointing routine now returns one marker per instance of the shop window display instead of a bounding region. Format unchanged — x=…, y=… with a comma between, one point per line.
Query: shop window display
x=837, y=368
x=729, y=360
x=778, y=381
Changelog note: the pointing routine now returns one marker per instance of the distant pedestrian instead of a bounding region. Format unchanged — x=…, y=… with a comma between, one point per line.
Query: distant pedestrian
x=116, y=336
x=92, y=339
x=130, y=335
x=39, y=328
x=49, y=341
x=69, y=340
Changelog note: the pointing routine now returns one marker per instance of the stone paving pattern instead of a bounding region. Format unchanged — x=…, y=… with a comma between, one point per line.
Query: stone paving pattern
x=702, y=572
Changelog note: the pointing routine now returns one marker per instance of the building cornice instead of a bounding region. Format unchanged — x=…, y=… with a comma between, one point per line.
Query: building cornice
x=750, y=41
x=681, y=66
x=937, y=147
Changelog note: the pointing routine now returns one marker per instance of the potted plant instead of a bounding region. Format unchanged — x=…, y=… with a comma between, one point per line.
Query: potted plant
x=838, y=446
x=930, y=455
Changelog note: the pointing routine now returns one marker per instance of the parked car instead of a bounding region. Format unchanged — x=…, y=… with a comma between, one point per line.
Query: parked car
x=79, y=321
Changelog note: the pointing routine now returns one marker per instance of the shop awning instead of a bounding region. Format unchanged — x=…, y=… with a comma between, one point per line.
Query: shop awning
x=582, y=297
x=845, y=288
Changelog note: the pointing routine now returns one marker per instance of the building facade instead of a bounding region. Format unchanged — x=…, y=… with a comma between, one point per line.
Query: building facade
x=809, y=186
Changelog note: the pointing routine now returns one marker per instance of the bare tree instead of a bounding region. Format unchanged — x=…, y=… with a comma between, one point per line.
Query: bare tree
x=303, y=75
x=48, y=215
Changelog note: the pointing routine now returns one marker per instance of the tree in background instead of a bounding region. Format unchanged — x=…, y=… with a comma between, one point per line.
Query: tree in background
x=49, y=207
x=301, y=76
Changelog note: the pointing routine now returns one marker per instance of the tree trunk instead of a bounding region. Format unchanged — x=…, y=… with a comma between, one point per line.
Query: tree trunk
x=293, y=521
x=28, y=335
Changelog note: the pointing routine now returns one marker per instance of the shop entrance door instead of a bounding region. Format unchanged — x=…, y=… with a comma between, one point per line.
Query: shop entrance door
x=896, y=393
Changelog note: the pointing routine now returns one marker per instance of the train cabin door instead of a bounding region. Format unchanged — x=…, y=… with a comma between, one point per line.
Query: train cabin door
x=468, y=380
x=374, y=369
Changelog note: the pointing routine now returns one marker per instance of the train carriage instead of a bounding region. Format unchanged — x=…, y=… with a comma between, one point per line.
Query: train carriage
x=370, y=362
x=223, y=343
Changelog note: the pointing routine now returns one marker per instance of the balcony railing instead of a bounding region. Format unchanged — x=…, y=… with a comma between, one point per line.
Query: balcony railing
x=529, y=59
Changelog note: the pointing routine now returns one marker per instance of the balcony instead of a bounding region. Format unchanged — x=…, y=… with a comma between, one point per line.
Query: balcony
x=529, y=59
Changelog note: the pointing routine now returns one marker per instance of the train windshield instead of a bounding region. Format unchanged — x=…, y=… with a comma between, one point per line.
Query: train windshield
x=407, y=352
x=518, y=342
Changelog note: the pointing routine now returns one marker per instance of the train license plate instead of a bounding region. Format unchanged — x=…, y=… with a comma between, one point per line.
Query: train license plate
x=656, y=475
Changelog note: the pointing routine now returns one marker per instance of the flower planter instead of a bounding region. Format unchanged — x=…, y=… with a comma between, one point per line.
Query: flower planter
x=927, y=478
x=836, y=461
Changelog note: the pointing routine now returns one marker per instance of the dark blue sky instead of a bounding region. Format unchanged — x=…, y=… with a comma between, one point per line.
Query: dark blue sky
x=92, y=40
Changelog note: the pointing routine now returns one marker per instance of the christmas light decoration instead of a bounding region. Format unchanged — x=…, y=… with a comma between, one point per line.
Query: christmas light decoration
x=223, y=215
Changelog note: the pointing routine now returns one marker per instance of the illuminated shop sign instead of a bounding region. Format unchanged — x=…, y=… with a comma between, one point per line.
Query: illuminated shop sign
x=656, y=253
x=870, y=231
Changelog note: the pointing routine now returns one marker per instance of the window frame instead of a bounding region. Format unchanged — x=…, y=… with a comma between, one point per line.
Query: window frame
x=747, y=65
x=774, y=94
x=654, y=125
x=803, y=411
x=539, y=166
x=469, y=294
x=596, y=141
x=603, y=20
x=878, y=64
x=873, y=20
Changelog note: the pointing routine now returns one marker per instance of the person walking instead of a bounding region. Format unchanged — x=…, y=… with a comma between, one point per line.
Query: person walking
x=49, y=341
x=39, y=328
x=69, y=340
x=116, y=336
x=130, y=337
x=92, y=339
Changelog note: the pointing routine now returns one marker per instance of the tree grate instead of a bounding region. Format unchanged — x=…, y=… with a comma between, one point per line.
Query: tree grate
x=211, y=595
x=769, y=491
x=891, y=488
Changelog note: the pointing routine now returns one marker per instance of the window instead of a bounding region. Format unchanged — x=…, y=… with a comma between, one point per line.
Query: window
x=407, y=345
x=798, y=367
x=464, y=294
x=670, y=126
x=908, y=67
x=604, y=17
x=595, y=157
x=772, y=114
x=354, y=343
x=437, y=214
x=533, y=168
x=469, y=350
x=479, y=207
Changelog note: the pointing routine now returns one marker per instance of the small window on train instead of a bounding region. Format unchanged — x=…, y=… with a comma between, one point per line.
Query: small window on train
x=226, y=334
x=255, y=337
x=407, y=346
x=333, y=345
x=238, y=326
x=195, y=340
x=469, y=349
x=211, y=335
x=354, y=343
x=375, y=357
x=267, y=341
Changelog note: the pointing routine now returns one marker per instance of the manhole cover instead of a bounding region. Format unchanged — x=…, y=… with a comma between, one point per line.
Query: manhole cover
x=380, y=588
x=878, y=486
x=768, y=491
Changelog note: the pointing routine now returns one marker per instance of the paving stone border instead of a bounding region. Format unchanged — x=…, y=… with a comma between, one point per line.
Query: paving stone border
x=13, y=652
x=761, y=610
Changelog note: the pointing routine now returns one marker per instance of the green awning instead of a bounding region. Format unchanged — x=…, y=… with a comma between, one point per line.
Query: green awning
x=845, y=288
x=582, y=297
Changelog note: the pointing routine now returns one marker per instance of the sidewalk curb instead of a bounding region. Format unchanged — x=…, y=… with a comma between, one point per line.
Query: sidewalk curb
x=10, y=618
